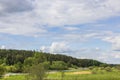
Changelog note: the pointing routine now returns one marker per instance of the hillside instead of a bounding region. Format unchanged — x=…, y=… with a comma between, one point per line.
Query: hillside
x=23, y=58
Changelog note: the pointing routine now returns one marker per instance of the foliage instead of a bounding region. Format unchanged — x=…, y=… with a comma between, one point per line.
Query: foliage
x=66, y=76
x=58, y=65
x=102, y=70
x=117, y=67
x=36, y=72
x=22, y=59
x=29, y=61
x=46, y=65
x=19, y=67
x=11, y=68
x=108, y=69
x=2, y=71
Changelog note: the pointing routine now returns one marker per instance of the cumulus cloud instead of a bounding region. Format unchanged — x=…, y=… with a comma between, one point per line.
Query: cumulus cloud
x=115, y=41
x=14, y=6
x=30, y=13
x=16, y=29
x=2, y=47
x=71, y=28
x=57, y=47
x=39, y=17
x=107, y=56
x=80, y=37
x=76, y=11
x=101, y=55
x=110, y=57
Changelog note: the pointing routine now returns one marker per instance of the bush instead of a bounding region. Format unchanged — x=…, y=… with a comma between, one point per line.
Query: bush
x=46, y=65
x=11, y=69
x=108, y=69
x=91, y=67
x=74, y=66
x=58, y=65
x=2, y=71
x=98, y=70
x=117, y=67
x=94, y=71
x=36, y=72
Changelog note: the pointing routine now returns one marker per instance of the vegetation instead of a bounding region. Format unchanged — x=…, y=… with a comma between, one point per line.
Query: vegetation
x=19, y=60
x=114, y=75
x=2, y=71
x=36, y=72
x=105, y=76
x=58, y=65
x=37, y=65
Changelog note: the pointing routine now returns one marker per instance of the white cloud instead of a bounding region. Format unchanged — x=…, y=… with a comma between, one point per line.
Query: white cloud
x=44, y=48
x=107, y=56
x=71, y=28
x=80, y=37
x=57, y=47
x=21, y=19
x=14, y=6
x=39, y=17
x=21, y=24
x=61, y=12
x=115, y=41
x=110, y=57
x=2, y=47
x=97, y=49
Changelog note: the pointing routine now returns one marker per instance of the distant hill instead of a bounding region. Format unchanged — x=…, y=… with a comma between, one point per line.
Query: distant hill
x=11, y=57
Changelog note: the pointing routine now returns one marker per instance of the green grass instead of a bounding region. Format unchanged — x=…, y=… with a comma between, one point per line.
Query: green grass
x=105, y=76
x=17, y=77
x=57, y=76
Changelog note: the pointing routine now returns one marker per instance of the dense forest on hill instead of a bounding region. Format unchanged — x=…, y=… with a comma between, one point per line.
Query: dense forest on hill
x=18, y=60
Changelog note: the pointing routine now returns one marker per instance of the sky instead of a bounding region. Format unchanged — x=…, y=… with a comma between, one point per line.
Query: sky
x=85, y=29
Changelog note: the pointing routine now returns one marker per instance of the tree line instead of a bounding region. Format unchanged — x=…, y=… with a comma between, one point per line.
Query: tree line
x=19, y=60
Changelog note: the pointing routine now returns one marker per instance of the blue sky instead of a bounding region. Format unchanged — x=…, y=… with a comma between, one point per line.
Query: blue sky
x=79, y=28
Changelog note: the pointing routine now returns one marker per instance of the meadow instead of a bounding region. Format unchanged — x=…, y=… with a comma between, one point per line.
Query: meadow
x=74, y=75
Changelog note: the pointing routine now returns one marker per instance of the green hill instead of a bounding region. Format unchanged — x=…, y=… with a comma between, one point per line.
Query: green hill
x=21, y=58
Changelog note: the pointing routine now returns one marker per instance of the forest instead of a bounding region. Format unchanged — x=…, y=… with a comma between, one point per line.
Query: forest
x=38, y=65
x=19, y=60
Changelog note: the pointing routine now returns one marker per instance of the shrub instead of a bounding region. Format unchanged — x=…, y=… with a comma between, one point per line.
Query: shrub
x=2, y=71
x=59, y=65
x=108, y=69
x=11, y=69
x=74, y=66
x=36, y=72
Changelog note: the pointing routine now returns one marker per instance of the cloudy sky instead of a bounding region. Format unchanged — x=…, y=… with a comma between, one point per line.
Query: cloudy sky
x=79, y=28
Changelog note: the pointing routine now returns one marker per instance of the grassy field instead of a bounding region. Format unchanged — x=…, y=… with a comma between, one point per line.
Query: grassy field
x=77, y=75
x=85, y=75
x=15, y=77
